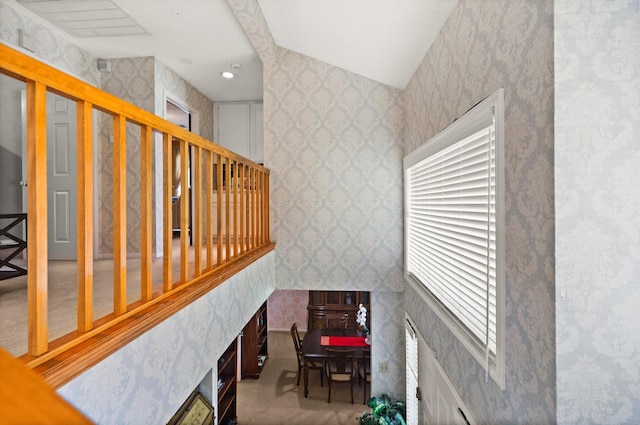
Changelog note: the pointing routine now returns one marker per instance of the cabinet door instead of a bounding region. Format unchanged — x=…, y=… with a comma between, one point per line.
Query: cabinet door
x=317, y=297
x=234, y=127
x=349, y=298
x=333, y=297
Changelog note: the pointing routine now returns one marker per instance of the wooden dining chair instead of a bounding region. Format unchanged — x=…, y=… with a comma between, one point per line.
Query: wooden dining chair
x=297, y=343
x=340, y=366
x=294, y=327
x=364, y=372
x=336, y=320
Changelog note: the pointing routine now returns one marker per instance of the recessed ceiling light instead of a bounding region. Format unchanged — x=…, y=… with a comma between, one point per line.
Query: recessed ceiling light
x=227, y=74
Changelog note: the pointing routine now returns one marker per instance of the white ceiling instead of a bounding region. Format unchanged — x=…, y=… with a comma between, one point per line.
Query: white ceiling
x=384, y=40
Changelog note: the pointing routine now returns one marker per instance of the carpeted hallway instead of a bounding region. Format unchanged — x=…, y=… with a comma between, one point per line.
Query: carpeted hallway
x=62, y=295
x=274, y=399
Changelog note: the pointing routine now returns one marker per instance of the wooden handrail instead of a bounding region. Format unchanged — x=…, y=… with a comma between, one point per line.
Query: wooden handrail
x=238, y=187
x=27, y=399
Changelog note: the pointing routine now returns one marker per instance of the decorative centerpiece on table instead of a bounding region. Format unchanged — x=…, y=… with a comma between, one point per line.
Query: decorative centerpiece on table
x=361, y=320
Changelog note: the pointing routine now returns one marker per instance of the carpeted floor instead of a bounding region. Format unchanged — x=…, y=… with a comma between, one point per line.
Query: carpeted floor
x=62, y=296
x=62, y=299
x=274, y=398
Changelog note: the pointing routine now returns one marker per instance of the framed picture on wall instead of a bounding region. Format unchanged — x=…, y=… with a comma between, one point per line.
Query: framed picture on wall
x=197, y=410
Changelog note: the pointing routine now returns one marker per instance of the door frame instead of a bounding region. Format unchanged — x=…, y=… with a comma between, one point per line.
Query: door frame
x=168, y=96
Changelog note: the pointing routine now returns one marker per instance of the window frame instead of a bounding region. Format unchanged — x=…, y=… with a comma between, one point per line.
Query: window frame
x=471, y=122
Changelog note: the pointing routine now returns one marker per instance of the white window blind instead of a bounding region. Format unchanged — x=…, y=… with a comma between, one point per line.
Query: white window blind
x=453, y=193
x=452, y=232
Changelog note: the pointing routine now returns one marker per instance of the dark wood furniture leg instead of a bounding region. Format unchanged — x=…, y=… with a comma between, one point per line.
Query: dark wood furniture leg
x=306, y=379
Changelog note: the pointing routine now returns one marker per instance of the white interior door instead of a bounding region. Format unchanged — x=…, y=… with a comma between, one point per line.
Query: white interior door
x=62, y=180
x=439, y=403
x=62, y=175
x=413, y=413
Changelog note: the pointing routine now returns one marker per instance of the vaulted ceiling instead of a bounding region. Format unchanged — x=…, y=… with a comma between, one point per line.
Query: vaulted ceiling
x=383, y=40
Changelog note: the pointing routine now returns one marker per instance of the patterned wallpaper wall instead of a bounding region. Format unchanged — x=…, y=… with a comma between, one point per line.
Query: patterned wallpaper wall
x=287, y=307
x=133, y=80
x=333, y=142
x=484, y=46
x=597, y=168
x=167, y=82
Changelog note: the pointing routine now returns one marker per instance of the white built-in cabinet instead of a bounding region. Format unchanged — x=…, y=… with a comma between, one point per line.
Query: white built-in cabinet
x=238, y=126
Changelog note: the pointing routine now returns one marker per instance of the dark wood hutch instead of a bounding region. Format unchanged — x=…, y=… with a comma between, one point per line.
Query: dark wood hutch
x=327, y=302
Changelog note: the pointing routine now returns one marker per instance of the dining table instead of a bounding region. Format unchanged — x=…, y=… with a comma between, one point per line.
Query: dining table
x=316, y=341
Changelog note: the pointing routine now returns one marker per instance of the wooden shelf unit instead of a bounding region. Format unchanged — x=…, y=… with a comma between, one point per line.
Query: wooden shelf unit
x=329, y=302
x=255, y=344
x=227, y=393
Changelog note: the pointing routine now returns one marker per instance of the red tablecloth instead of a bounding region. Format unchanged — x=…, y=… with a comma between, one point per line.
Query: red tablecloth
x=343, y=341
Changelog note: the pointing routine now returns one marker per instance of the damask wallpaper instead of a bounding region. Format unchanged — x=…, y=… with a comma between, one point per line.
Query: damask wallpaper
x=168, y=83
x=597, y=169
x=482, y=47
x=133, y=80
x=287, y=307
x=333, y=142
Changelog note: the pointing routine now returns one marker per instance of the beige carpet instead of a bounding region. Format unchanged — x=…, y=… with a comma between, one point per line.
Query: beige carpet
x=274, y=398
x=62, y=296
x=62, y=299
